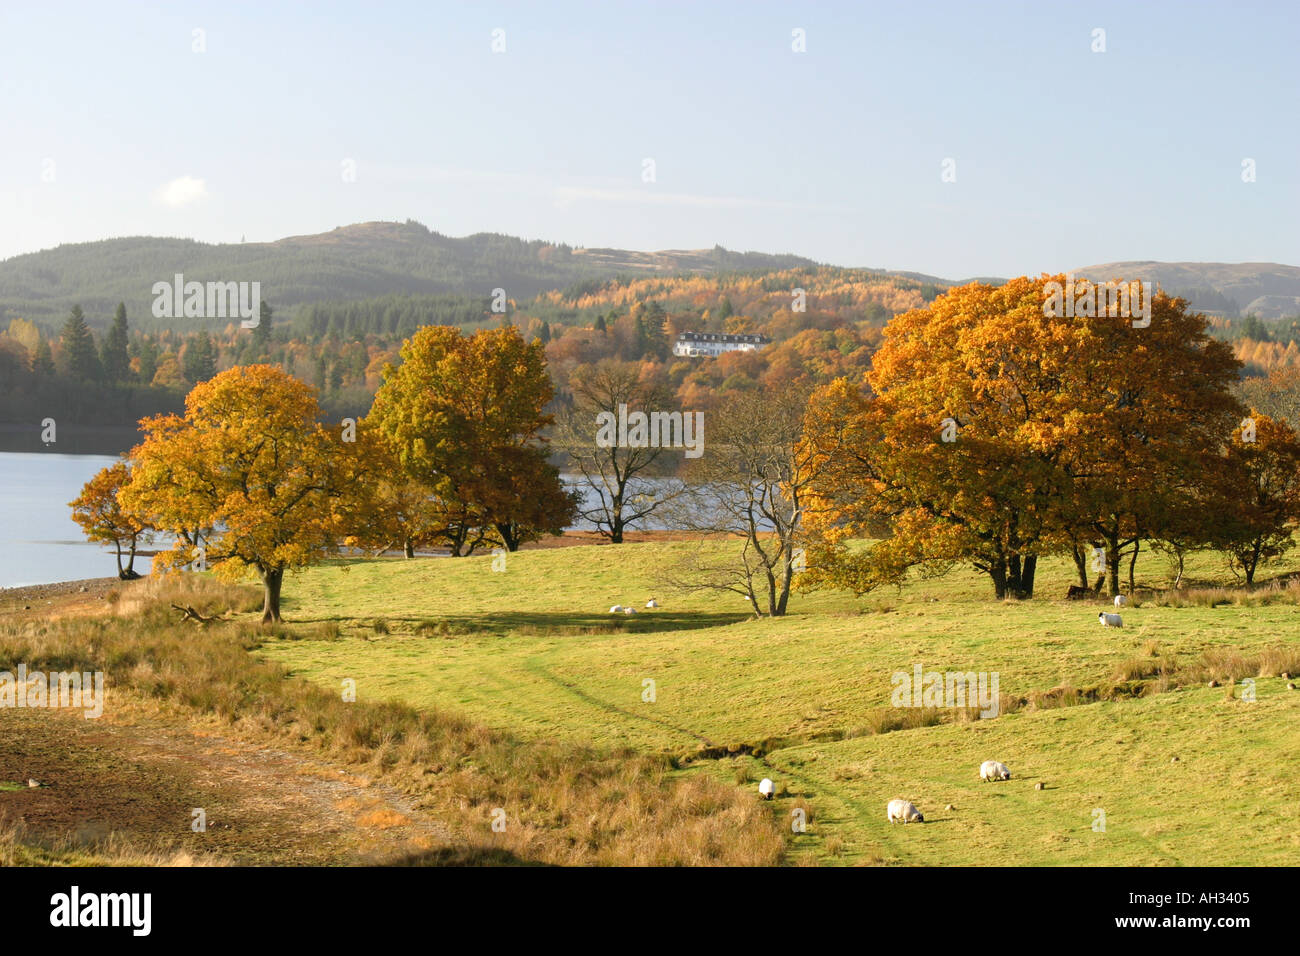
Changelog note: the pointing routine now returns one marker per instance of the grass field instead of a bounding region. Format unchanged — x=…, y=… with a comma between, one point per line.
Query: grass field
x=532, y=650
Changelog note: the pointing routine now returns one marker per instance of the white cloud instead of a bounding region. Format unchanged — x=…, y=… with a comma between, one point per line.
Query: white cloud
x=182, y=192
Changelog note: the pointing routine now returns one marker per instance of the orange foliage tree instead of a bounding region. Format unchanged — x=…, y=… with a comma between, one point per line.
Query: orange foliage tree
x=245, y=479
x=99, y=511
x=993, y=432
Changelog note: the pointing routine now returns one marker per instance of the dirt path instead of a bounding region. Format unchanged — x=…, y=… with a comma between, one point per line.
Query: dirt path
x=141, y=773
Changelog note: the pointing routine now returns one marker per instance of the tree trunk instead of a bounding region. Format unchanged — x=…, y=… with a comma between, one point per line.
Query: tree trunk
x=509, y=536
x=119, y=557
x=130, y=562
x=1080, y=563
x=408, y=548
x=1026, y=588
x=1112, y=563
x=271, y=581
x=783, y=598
x=998, y=571
x=1253, y=563
x=1132, y=561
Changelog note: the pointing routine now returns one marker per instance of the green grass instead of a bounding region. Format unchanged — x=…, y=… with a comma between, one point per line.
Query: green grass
x=533, y=650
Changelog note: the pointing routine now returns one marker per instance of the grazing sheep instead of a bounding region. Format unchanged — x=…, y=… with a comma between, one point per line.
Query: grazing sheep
x=652, y=603
x=902, y=810
x=1290, y=685
x=766, y=788
x=1110, y=620
x=950, y=807
x=1120, y=600
x=992, y=770
x=616, y=609
x=1040, y=786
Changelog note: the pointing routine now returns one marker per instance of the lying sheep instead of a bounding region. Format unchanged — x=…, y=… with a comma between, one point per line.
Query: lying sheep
x=652, y=603
x=629, y=610
x=1120, y=600
x=1110, y=620
x=766, y=788
x=616, y=609
x=992, y=770
x=902, y=810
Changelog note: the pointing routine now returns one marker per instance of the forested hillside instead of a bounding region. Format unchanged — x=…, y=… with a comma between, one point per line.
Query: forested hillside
x=361, y=261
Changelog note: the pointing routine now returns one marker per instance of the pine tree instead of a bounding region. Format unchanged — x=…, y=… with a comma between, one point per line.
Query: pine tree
x=113, y=355
x=262, y=331
x=43, y=360
x=148, y=361
x=77, y=351
x=200, y=359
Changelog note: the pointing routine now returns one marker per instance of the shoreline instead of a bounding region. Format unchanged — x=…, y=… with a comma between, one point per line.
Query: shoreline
x=30, y=593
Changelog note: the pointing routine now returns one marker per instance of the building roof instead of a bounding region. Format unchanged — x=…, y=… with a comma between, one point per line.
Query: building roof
x=723, y=337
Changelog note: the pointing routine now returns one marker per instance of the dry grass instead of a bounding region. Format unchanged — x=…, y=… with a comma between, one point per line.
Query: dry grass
x=20, y=848
x=1285, y=591
x=565, y=803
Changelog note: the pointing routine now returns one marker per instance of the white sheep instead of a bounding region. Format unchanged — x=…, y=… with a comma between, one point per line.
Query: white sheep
x=652, y=603
x=1120, y=600
x=616, y=609
x=1110, y=620
x=992, y=770
x=766, y=788
x=902, y=810
x=629, y=610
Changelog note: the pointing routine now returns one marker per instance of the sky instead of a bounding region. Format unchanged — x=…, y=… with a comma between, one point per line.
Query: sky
x=956, y=139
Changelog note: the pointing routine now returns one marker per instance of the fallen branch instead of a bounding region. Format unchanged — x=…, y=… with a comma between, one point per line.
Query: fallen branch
x=189, y=614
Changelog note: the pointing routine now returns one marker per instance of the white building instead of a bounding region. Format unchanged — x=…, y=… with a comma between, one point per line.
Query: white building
x=713, y=344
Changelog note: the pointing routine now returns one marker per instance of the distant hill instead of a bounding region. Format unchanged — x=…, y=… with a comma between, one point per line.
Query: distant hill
x=361, y=261
x=1266, y=289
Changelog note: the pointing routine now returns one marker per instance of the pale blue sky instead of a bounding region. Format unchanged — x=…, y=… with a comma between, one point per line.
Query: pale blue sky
x=1064, y=157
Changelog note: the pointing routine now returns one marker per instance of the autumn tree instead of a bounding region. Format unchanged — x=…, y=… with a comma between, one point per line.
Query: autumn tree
x=246, y=479
x=995, y=430
x=1262, y=498
x=620, y=483
x=98, y=509
x=1152, y=406
x=462, y=417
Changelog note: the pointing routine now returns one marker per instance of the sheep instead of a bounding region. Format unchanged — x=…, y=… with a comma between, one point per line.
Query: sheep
x=1120, y=600
x=992, y=770
x=1110, y=620
x=629, y=610
x=904, y=811
x=652, y=603
x=766, y=788
x=616, y=609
